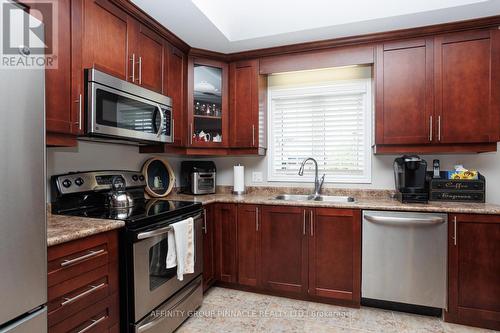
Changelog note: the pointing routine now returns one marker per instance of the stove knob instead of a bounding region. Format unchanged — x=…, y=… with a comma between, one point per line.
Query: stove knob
x=141, y=178
x=135, y=178
x=66, y=183
x=79, y=181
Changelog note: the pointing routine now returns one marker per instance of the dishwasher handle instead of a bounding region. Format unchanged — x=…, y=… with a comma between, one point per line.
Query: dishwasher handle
x=405, y=221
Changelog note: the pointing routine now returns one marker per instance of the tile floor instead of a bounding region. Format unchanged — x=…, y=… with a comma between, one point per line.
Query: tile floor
x=233, y=311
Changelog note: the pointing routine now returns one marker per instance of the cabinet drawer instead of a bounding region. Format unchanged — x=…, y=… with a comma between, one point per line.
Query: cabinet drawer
x=96, y=318
x=72, y=259
x=75, y=294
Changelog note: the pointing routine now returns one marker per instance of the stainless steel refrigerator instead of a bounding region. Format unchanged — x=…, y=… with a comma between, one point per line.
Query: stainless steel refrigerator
x=23, y=233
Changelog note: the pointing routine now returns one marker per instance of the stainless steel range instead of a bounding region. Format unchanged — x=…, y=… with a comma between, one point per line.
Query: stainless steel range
x=152, y=298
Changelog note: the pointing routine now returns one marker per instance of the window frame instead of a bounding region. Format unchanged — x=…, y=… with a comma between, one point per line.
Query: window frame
x=344, y=87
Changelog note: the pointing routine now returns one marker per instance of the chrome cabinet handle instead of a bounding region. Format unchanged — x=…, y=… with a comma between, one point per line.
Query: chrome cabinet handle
x=94, y=323
x=173, y=130
x=311, y=221
x=191, y=133
x=140, y=70
x=253, y=135
x=430, y=128
x=77, y=297
x=79, y=101
x=455, y=230
x=205, y=221
x=132, y=60
x=304, y=224
x=90, y=254
x=256, y=218
x=439, y=128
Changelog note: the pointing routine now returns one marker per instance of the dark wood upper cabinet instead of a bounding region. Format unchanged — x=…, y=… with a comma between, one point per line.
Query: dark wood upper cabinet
x=175, y=87
x=208, y=248
x=464, y=92
x=249, y=257
x=208, y=106
x=244, y=103
x=225, y=216
x=147, y=47
x=404, y=92
x=335, y=254
x=106, y=35
x=473, y=270
x=284, y=249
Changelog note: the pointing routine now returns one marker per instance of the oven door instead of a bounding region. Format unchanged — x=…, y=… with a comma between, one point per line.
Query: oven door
x=153, y=283
x=116, y=113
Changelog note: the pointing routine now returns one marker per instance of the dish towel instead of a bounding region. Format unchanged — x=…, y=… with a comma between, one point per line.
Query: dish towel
x=180, y=250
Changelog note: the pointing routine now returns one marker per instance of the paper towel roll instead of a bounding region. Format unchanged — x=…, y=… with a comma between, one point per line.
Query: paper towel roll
x=239, y=179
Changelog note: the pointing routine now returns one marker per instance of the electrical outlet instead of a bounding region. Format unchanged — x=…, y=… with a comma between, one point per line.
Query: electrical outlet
x=257, y=177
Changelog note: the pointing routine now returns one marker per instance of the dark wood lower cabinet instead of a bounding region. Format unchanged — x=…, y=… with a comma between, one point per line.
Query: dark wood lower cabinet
x=225, y=243
x=83, y=291
x=208, y=248
x=284, y=249
x=249, y=257
x=335, y=254
x=474, y=270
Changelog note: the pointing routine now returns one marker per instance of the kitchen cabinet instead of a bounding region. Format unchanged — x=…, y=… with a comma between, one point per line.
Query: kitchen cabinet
x=335, y=254
x=249, y=237
x=146, y=49
x=473, y=270
x=207, y=103
x=464, y=104
x=284, y=249
x=175, y=86
x=225, y=216
x=432, y=98
x=247, y=95
x=404, y=92
x=208, y=248
x=83, y=287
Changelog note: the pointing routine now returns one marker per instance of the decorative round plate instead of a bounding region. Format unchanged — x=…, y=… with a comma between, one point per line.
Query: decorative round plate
x=159, y=176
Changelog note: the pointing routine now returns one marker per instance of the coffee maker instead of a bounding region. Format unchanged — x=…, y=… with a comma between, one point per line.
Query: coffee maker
x=410, y=175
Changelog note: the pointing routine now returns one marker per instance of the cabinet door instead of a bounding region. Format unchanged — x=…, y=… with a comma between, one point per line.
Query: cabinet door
x=149, y=52
x=208, y=248
x=284, y=249
x=105, y=38
x=249, y=245
x=463, y=87
x=404, y=95
x=473, y=269
x=225, y=242
x=244, y=103
x=335, y=254
x=174, y=88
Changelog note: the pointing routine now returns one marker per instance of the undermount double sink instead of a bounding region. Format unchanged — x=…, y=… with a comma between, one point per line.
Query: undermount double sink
x=311, y=197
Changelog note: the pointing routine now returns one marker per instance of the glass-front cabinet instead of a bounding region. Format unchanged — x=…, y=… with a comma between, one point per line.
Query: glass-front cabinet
x=208, y=103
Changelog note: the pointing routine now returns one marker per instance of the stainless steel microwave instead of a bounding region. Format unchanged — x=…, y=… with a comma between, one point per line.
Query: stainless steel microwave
x=118, y=109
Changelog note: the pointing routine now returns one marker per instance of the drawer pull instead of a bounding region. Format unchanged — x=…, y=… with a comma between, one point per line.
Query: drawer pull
x=86, y=256
x=85, y=293
x=94, y=323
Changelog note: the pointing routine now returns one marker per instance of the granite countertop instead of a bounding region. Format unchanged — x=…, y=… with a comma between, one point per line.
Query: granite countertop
x=63, y=228
x=365, y=199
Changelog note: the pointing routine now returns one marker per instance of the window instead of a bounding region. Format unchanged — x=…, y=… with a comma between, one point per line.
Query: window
x=330, y=122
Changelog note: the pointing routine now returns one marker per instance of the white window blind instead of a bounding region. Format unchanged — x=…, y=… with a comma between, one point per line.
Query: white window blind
x=331, y=123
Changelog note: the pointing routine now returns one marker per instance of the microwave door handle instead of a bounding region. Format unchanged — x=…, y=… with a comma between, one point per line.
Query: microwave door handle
x=162, y=119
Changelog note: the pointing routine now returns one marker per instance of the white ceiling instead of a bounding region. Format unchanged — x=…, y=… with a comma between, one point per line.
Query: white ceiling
x=237, y=25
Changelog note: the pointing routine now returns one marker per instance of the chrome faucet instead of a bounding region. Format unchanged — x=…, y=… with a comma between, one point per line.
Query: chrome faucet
x=317, y=182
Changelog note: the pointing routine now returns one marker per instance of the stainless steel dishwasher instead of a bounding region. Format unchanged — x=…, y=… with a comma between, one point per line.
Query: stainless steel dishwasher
x=404, y=259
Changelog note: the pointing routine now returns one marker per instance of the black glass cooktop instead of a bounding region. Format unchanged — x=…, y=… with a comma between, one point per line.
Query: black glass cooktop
x=143, y=210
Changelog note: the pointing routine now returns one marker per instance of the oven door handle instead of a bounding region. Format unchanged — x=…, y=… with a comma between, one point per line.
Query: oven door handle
x=160, y=231
x=162, y=119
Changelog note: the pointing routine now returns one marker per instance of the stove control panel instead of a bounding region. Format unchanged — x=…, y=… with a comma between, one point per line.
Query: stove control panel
x=79, y=182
